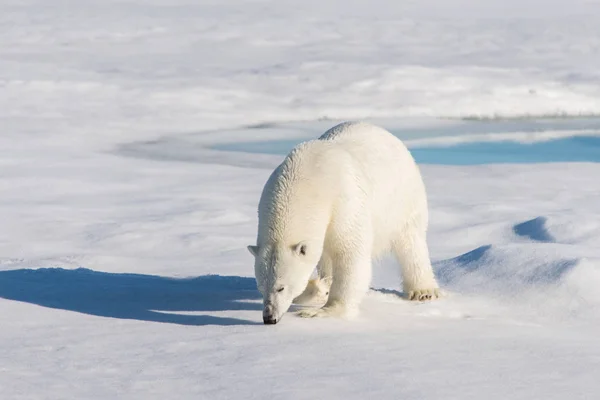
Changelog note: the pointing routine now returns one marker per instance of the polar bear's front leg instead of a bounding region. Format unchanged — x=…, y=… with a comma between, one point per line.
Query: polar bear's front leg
x=325, y=267
x=317, y=290
x=351, y=280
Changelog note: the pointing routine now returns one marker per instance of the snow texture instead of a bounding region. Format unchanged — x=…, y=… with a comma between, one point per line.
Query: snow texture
x=123, y=267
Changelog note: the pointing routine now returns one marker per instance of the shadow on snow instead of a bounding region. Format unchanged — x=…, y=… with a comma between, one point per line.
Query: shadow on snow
x=133, y=296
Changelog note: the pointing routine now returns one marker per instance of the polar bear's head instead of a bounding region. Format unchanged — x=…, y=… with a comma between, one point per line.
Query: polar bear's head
x=282, y=273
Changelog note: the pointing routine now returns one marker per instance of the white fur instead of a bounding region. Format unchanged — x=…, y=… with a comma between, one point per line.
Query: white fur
x=339, y=201
x=316, y=292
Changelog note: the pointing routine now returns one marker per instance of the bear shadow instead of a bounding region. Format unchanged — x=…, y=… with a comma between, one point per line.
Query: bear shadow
x=133, y=296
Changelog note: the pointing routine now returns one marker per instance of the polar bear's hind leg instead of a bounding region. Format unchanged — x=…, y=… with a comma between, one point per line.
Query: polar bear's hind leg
x=419, y=281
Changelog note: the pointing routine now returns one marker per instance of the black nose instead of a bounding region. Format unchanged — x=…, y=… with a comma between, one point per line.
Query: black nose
x=269, y=320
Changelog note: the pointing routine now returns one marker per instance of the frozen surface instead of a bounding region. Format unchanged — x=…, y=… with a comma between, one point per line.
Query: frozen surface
x=464, y=143
x=121, y=254
x=123, y=268
x=103, y=70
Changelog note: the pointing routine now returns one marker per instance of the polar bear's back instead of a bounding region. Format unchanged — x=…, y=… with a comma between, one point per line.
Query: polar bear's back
x=371, y=144
x=387, y=165
x=386, y=170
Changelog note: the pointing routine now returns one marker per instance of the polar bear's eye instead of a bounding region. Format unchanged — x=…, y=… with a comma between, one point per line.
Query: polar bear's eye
x=303, y=250
x=280, y=289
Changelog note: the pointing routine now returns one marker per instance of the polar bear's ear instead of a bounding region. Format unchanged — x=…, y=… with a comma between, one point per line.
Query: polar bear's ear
x=253, y=250
x=300, y=249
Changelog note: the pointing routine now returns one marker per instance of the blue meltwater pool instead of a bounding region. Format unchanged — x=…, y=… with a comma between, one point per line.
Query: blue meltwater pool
x=580, y=144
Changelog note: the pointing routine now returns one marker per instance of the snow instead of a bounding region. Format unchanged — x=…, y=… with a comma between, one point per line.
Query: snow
x=123, y=267
x=171, y=66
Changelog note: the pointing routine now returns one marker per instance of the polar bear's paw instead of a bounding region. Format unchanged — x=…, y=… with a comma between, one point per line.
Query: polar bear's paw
x=329, y=311
x=423, y=294
x=312, y=313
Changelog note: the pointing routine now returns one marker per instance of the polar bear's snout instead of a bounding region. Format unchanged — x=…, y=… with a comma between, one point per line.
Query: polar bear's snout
x=269, y=317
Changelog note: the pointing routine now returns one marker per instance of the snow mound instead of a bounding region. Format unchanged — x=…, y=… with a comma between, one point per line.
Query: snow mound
x=535, y=278
x=534, y=229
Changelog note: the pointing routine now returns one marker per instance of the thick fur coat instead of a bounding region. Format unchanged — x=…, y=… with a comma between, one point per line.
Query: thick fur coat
x=336, y=203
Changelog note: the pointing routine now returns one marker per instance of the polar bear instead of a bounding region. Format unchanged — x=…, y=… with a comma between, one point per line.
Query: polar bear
x=337, y=203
